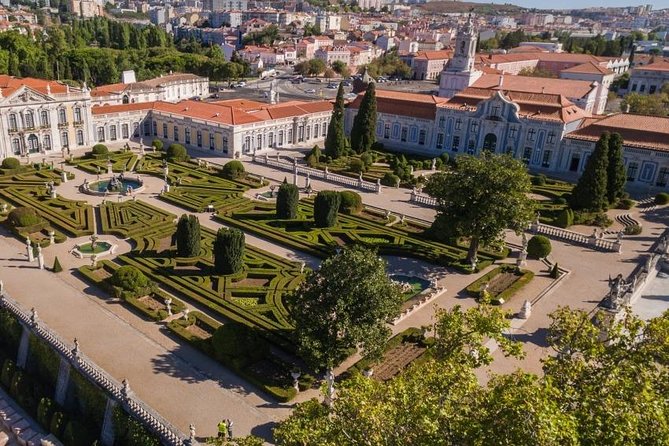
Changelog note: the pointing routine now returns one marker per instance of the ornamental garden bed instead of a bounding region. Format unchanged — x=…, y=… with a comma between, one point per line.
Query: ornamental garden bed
x=501, y=284
x=401, y=350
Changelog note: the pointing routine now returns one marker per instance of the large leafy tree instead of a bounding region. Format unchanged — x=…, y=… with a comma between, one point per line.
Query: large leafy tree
x=590, y=193
x=598, y=390
x=363, y=133
x=616, y=175
x=335, y=142
x=343, y=305
x=188, y=236
x=480, y=198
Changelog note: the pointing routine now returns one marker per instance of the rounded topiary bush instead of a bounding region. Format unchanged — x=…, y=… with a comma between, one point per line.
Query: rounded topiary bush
x=625, y=203
x=539, y=180
x=129, y=278
x=632, y=230
x=157, y=144
x=662, y=198
x=23, y=216
x=99, y=149
x=177, y=152
x=11, y=163
x=390, y=179
x=539, y=247
x=356, y=165
x=351, y=202
x=233, y=169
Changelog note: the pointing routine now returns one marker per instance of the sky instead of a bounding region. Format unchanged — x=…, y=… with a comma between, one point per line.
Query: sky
x=569, y=4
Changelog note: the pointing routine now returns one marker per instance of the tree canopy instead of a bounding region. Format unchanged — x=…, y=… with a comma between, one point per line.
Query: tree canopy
x=335, y=141
x=480, y=197
x=590, y=191
x=598, y=390
x=343, y=305
x=363, y=132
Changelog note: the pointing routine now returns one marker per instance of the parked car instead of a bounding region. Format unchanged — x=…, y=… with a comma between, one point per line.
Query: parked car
x=332, y=86
x=297, y=80
x=214, y=96
x=241, y=84
x=346, y=83
x=310, y=91
x=316, y=80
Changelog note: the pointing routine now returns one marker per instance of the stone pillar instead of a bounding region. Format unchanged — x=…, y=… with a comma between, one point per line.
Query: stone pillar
x=52, y=238
x=29, y=249
x=40, y=261
x=378, y=186
x=63, y=176
x=62, y=382
x=107, y=433
x=295, y=174
x=526, y=310
x=24, y=345
x=53, y=193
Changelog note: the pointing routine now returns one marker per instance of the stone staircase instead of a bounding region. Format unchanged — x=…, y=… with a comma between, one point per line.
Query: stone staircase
x=647, y=204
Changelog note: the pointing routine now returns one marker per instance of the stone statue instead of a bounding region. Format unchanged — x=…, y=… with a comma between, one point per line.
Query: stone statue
x=76, y=351
x=662, y=246
x=125, y=390
x=302, y=265
x=617, y=289
x=434, y=164
x=185, y=314
x=526, y=310
x=191, y=432
x=33, y=316
x=168, y=305
x=524, y=242
x=649, y=263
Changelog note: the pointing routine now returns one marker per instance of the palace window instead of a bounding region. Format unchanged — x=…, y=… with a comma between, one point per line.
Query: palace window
x=317, y=130
x=458, y=124
x=13, y=126
x=77, y=114
x=512, y=132
x=632, y=170
x=386, y=131
x=44, y=118
x=290, y=136
x=527, y=155
x=225, y=144
x=531, y=134
x=403, y=134
x=442, y=122
x=475, y=127
x=546, y=160
x=440, y=141
x=101, y=134
x=280, y=137
x=187, y=135
x=112, y=133
x=80, y=138
x=198, y=137
x=176, y=133
x=308, y=132
x=551, y=138
x=47, y=142
x=16, y=146
x=164, y=130
x=125, y=131
x=155, y=128
x=30, y=120
x=65, y=138
x=662, y=176
x=421, y=137
x=324, y=130
x=471, y=147
x=62, y=117
x=455, y=145
x=270, y=138
x=212, y=141
x=259, y=141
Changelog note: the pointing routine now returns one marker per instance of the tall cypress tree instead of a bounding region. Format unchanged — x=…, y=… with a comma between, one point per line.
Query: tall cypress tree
x=590, y=193
x=188, y=236
x=363, y=133
x=286, y=201
x=229, y=251
x=335, y=142
x=616, y=170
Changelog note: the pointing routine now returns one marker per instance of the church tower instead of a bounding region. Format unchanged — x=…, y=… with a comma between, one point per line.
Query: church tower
x=459, y=73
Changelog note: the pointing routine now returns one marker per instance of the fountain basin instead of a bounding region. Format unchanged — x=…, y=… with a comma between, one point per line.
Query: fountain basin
x=116, y=187
x=83, y=250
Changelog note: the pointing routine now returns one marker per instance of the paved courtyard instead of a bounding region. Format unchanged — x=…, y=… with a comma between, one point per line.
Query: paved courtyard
x=186, y=386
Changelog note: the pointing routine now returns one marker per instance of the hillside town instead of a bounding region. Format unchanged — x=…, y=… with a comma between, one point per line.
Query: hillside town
x=236, y=222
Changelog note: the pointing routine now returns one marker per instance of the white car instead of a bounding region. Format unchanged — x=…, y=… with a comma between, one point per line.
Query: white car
x=310, y=91
x=241, y=84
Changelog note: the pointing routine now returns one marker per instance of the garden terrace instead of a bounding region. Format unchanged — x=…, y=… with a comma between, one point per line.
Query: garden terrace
x=551, y=208
x=74, y=218
x=121, y=162
x=368, y=229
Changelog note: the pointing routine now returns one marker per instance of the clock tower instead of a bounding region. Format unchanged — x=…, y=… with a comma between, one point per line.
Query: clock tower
x=459, y=73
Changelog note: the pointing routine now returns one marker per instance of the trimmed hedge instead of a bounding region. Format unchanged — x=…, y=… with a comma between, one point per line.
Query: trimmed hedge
x=539, y=247
x=662, y=198
x=326, y=206
x=229, y=251
x=523, y=277
x=351, y=202
x=23, y=216
x=188, y=236
x=11, y=163
x=99, y=149
x=177, y=153
x=233, y=170
x=286, y=201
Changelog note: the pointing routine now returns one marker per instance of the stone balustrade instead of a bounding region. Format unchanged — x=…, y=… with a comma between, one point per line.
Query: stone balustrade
x=168, y=434
x=324, y=175
x=423, y=199
x=576, y=238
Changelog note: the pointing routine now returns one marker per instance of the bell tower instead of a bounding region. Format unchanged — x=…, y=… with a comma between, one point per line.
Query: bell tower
x=459, y=73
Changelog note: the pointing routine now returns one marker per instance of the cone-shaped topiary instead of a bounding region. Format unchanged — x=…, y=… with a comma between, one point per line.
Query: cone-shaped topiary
x=188, y=236
x=229, y=251
x=555, y=271
x=286, y=201
x=326, y=206
x=56, y=266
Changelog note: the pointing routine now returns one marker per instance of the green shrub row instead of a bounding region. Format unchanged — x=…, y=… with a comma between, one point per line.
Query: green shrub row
x=523, y=277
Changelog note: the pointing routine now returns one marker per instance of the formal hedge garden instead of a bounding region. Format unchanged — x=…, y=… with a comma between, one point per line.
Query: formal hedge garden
x=121, y=162
x=501, y=283
x=367, y=228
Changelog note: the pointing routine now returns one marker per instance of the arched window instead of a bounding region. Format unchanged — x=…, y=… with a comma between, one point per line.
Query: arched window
x=77, y=114
x=16, y=146
x=124, y=131
x=317, y=130
x=13, y=123
x=30, y=120
x=80, y=138
x=112, y=133
x=259, y=141
x=490, y=142
x=33, y=144
x=270, y=139
x=65, y=138
x=47, y=142
x=101, y=134
x=280, y=137
x=44, y=118
x=126, y=99
x=187, y=135
x=62, y=117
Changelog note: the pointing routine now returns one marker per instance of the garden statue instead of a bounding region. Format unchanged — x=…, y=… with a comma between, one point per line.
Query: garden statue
x=434, y=164
x=649, y=263
x=662, y=247
x=2, y=287
x=76, y=351
x=29, y=248
x=229, y=424
x=295, y=374
x=302, y=265
x=360, y=177
x=387, y=214
x=619, y=236
x=33, y=317
x=125, y=390
x=94, y=261
x=329, y=379
x=473, y=263
x=3, y=207
x=191, y=432
x=185, y=314
x=40, y=257
x=526, y=310
x=168, y=305
x=402, y=219
x=617, y=289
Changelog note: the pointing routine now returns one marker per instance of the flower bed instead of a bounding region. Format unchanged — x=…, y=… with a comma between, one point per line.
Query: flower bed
x=502, y=283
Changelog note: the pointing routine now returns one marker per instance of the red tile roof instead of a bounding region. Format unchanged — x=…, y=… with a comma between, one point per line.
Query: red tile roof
x=406, y=104
x=528, y=84
x=661, y=65
x=10, y=84
x=590, y=68
x=648, y=132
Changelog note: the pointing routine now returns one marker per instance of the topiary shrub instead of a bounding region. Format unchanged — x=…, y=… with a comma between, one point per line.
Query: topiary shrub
x=539, y=247
x=351, y=202
x=57, y=268
x=23, y=216
x=560, y=200
x=229, y=251
x=326, y=206
x=177, y=153
x=390, y=180
x=444, y=157
x=45, y=411
x=11, y=163
x=77, y=433
x=129, y=278
x=539, y=180
x=632, y=230
x=233, y=170
x=286, y=201
x=662, y=198
x=367, y=159
x=188, y=236
x=625, y=203
x=239, y=344
x=100, y=150
x=57, y=425
x=157, y=144
x=555, y=272
x=565, y=218
x=356, y=165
